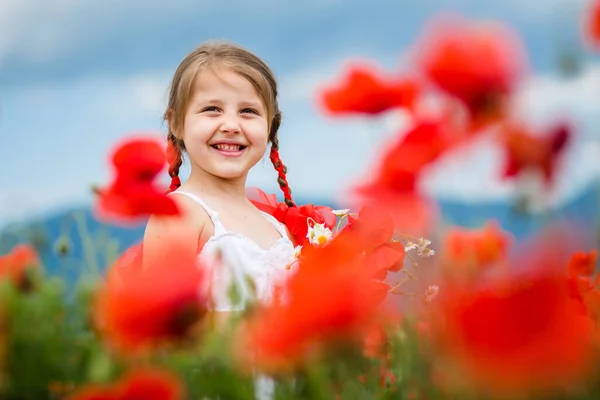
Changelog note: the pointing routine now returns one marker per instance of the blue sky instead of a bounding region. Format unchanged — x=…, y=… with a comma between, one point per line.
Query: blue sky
x=75, y=76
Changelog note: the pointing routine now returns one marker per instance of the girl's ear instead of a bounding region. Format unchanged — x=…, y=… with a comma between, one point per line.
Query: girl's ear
x=173, y=128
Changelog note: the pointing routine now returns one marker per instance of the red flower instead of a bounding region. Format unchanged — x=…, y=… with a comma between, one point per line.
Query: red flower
x=138, y=308
x=17, y=264
x=364, y=90
x=133, y=192
x=592, y=24
x=582, y=288
x=394, y=187
x=471, y=250
x=294, y=218
x=583, y=264
x=539, y=153
x=141, y=158
x=513, y=335
x=139, y=384
x=330, y=301
x=131, y=259
x=374, y=230
x=477, y=64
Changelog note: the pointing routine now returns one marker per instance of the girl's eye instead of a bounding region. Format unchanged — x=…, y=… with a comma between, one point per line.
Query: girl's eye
x=212, y=108
x=249, y=110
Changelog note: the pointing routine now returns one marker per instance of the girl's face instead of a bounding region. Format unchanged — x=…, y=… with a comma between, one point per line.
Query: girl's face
x=225, y=129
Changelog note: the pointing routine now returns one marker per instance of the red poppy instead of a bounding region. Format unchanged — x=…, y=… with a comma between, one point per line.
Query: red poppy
x=513, y=335
x=471, y=250
x=141, y=307
x=592, y=24
x=138, y=384
x=294, y=218
x=583, y=264
x=374, y=230
x=525, y=151
x=376, y=346
x=133, y=192
x=130, y=259
x=394, y=186
x=330, y=301
x=479, y=64
x=143, y=158
x=582, y=287
x=365, y=90
x=17, y=264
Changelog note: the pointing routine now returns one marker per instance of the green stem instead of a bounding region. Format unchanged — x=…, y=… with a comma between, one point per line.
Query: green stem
x=339, y=224
x=317, y=387
x=87, y=243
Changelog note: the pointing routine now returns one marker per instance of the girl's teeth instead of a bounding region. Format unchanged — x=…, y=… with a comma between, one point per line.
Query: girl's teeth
x=228, y=147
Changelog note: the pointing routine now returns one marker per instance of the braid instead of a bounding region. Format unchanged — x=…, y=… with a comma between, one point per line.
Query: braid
x=279, y=167
x=174, y=157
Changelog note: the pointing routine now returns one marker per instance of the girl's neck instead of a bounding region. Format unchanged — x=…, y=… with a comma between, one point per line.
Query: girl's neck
x=233, y=190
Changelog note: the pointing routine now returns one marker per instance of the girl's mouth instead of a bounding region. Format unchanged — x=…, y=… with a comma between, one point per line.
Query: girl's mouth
x=229, y=149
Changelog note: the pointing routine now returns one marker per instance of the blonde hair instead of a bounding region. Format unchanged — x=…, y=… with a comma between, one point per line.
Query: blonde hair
x=243, y=62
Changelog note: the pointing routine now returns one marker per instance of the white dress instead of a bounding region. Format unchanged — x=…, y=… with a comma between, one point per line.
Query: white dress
x=239, y=260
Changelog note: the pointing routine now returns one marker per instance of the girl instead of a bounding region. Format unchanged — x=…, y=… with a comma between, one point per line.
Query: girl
x=223, y=113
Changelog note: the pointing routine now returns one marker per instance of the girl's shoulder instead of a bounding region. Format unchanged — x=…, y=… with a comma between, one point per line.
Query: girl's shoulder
x=186, y=229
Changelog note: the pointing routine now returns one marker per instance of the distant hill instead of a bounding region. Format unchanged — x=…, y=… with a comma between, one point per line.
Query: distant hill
x=100, y=243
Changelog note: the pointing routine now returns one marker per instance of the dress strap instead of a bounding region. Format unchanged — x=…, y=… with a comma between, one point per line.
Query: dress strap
x=278, y=225
x=214, y=216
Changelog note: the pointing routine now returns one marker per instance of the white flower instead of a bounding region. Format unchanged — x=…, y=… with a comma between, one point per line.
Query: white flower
x=422, y=248
x=319, y=235
x=423, y=243
x=294, y=258
x=409, y=246
x=427, y=253
x=431, y=292
x=297, y=251
x=341, y=213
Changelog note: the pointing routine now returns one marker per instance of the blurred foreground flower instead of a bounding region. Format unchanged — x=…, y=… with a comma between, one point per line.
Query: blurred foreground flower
x=519, y=334
x=328, y=304
x=138, y=308
x=584, y=289
x=18, y=265
x=583, y=264
x=373, y=231
x=469, y=252
x=133, y=192
x=137, y=385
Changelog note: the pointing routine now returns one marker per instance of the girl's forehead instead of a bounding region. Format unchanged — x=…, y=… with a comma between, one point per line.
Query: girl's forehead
x=218, y=77
x=225, y=82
